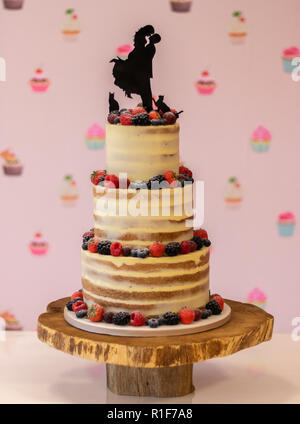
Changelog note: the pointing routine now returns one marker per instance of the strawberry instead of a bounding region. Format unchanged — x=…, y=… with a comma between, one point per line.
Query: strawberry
x=157, y=249
x=218, y=299
x=79, y=305
x=126, y=119
x=193, y=246
x=187, y=316
x=154, y=115
x=200, y=233
x=138, y=110
x=77, y=294
x=96, y=176
x=95, y=312
x=169, y=176
x=137, y=319
x=93, y=245
x=185, y=247
x=111, y=181
x=183, y=170
x=116, y=248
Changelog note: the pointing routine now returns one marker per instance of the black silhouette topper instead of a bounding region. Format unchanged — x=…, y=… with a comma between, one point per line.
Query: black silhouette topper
x=133, y=74
x=113, y=104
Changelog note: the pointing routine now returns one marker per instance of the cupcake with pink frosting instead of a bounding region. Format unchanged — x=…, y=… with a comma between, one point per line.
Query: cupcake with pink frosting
x=124, y=50
x=205, y=85
x=286, y=224
x=257, y=297
x=39, y=83
x=260, y=139
x=287, y=58
x=95, y=137
x=38, y=246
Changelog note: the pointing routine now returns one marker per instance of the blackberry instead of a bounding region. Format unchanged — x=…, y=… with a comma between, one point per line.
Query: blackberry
x=206, y=242
x=104, y=247
x=138, y=185
x=153, y=322
x=121, y=318
x=82, y=313
x=172, y=249
x=141, y=119
x=154, y=182
x=84, y=246
x=160, y=319
x=198, y=242
x=171, y=318
x=126, y=251
x=185, y=179
x=214, y=306
x=108, y=317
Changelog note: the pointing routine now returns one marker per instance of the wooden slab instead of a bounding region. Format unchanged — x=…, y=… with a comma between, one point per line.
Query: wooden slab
x=248, y=326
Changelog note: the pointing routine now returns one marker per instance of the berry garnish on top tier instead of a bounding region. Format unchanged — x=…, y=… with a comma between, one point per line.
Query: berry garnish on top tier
x=140, y=117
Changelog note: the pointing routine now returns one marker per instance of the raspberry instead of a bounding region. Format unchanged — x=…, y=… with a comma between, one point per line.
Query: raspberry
x=138, y=110
x=184, y=170
x=187, y=316
x=154, y=115
x=112, y=116
x=111, y=181
x=95, y=312
x=137, y=319
x=170, y=117
x=77, y=294
x=126, y=119
x=169, y=176
x=77, y=306
x=214, y=306
x=88, y=235
x=218, y=299
x=172, y=249
x=198, y=315
x=157, y=249
x=93, y=245
x=121, y=318
x=116, y=249
x=200, y=233
x=104, y=247
x=193, y=246
x=185, y=247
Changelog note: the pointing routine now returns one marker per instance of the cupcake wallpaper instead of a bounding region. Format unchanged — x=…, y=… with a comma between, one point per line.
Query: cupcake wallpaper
x=227, y=65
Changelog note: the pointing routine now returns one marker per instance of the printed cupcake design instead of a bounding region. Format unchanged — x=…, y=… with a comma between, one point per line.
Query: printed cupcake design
x=13, y=4
x=95, y=137
x=238, y=29
x=260, y=139
x=257, y=297
x=205, y=85
x=286, y=224
x=287, y=58
x=233, y=194
x=124, y=50
x=38, y=246
x=39, y=83
x=11, y=322
x=12, y=165
x=181, y=5
x=69, y=191
x=70, y=28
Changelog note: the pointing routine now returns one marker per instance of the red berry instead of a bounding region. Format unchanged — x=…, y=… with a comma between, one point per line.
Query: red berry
x=200, y=233
x=170, y=117
x=93, y=245
x=193, y=246
x=111, y=181
x=157, y=249
x=126, y=119
x=185, y=170
x=79, y=305
x=154, y=115
x=111, y=118
x=218, y=299
x=198, y=315
x=96, y=176
x=138, y=110
x=185, y=247
x=187, y=316
x=137, y=319
x=77, y=294
x=169, y=176
x=116, y=248
x=95, y=312
x=88, y=234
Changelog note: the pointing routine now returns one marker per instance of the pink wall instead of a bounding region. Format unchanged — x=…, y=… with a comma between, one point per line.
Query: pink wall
x=46, y=131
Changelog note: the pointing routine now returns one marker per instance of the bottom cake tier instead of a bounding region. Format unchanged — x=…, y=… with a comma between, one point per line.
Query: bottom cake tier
x=153, y=285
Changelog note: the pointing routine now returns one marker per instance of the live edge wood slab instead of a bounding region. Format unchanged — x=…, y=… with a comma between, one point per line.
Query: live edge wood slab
x=155, y=366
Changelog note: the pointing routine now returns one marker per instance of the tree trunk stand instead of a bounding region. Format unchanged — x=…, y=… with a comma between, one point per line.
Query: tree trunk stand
x=155, y=366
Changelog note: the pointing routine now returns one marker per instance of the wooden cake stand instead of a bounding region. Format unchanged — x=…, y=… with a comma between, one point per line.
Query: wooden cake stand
x=156, y=366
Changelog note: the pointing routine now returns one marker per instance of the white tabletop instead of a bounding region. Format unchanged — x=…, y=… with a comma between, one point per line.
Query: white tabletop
x=32, y=372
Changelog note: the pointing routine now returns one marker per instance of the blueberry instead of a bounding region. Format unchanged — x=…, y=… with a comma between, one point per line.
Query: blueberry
x=80, y=290
x=82, y=313
x=205, y=313
x=117, y=120
x=142, y=253
x=153, y=322
x=206, y=242
x=84, y=246
x=163, y=122
x=134, y=253
x=69, y=305
x=156, y=121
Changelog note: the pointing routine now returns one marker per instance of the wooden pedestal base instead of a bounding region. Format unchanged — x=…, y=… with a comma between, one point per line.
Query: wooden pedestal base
x=155, y=366
x=154, y=382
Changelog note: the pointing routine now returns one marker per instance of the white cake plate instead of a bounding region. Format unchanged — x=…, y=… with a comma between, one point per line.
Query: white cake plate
x=101, y=327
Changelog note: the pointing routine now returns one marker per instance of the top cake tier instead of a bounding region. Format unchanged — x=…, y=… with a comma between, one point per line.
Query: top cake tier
x=142, y=151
